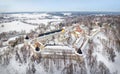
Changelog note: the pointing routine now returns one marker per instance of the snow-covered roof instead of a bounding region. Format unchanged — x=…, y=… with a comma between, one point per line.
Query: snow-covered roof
x=59, y=47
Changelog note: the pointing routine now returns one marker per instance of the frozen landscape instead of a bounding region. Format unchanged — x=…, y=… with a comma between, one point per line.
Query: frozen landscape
x=59, y=43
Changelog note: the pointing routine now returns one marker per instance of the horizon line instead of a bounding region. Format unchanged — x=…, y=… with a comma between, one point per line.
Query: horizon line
x=57, y=11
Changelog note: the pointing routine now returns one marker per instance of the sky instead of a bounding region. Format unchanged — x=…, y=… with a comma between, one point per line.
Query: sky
x=59, y=5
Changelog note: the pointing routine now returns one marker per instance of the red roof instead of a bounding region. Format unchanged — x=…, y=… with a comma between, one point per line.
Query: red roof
x=78, y=29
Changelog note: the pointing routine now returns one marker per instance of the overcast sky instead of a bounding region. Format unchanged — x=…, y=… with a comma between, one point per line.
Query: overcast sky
x=58, y=5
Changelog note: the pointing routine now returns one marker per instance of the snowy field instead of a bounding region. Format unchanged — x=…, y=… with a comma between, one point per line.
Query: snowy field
x=24, y=21
x=34, y=15
x=44, y=21
x=16, y=26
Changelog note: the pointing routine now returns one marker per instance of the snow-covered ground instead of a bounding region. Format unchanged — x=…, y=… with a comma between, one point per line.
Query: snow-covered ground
x=16, y=26
x=34, y=15
x=96, y=49
x=20, y=22
x=44, y=21
x=99, y=52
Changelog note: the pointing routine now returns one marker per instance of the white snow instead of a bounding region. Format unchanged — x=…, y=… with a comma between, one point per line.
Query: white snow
x=16, y=26
x=57, y=17
x=59, y=47
x=13, y=38
x=14, y=66
x=43, y=21
x=42, y=15
x=112, y=66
